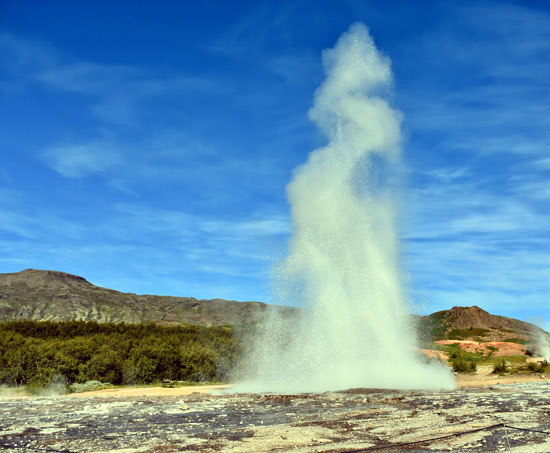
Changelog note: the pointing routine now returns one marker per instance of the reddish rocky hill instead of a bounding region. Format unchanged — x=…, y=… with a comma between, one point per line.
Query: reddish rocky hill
x=474, y=323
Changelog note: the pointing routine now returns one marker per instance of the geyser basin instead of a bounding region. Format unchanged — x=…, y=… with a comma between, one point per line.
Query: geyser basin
x=343, y=257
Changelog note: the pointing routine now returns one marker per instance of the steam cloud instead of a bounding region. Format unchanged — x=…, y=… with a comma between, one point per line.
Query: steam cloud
x=543, y=344
x=343, y=260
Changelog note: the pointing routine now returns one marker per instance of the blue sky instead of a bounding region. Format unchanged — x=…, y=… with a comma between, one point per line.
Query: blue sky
x=147, y=145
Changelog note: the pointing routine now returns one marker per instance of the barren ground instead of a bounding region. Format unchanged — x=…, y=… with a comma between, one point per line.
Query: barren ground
x=207, y=419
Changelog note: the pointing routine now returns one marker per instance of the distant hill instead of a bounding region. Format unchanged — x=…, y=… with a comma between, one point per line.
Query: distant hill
x=474, y=323
x=58, y=296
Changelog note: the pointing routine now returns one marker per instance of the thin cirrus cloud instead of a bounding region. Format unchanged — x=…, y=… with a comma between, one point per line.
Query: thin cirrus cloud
x=542, y=164
x=22, y=57
x=186, y=227
x=75, y=161
x=120, y=92
x=496, y=100
x=116, y=91
x=86, y=77
x=38, y=224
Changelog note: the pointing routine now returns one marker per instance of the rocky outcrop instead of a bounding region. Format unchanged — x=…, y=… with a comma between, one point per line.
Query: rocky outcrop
x=475, y=317
x=474, y=323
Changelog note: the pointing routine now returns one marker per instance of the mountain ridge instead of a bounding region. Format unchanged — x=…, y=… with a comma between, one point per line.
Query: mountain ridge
x=59, y=296
x=35, y=294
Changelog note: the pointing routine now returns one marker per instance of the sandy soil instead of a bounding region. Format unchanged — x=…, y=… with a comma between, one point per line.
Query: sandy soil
x=152, y=391
x=485, y=378
x=482, y=378
x=122, y=392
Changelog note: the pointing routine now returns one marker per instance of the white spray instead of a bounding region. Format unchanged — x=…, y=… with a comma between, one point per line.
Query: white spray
x=343, y=257
x=542, y=339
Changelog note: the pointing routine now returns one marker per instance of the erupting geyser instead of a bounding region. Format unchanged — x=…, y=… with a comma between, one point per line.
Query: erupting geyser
x=343, y=256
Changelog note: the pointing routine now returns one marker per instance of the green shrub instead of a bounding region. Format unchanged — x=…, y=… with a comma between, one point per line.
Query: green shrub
x=35, y=353
x=88, y=386
x=537, y=367
x=454, y=355
x=500, y=367
x=462, y=334
x=461, y=365
x=517, y=340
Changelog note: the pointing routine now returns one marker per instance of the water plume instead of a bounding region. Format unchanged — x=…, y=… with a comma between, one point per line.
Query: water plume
x=343, y=261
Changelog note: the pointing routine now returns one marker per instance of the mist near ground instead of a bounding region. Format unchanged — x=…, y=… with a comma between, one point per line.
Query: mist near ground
x=543, y=344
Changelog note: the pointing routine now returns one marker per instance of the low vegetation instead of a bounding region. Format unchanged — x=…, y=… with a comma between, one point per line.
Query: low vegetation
x=41, y=353
x=461, y=365
x=540, y=367
x=463, y=334
x=466, y=362
x=518, y=341
x=453, y=351
x=500, y=367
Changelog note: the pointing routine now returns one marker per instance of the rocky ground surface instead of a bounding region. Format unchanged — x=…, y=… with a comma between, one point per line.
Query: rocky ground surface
x=346, y=421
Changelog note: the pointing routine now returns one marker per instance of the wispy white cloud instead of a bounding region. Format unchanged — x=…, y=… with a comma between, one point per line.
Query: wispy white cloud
x=16, y=224
x=23, y=56
x=124, y=99
x=542, y=164
x=116, y=91
x=246, y=36
x=295, y=69
x=189, y=228
x=532, y=188
x=446, y=175
x=257, y=227
x=36, y=223
x=86, y=77
x=75, y=161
